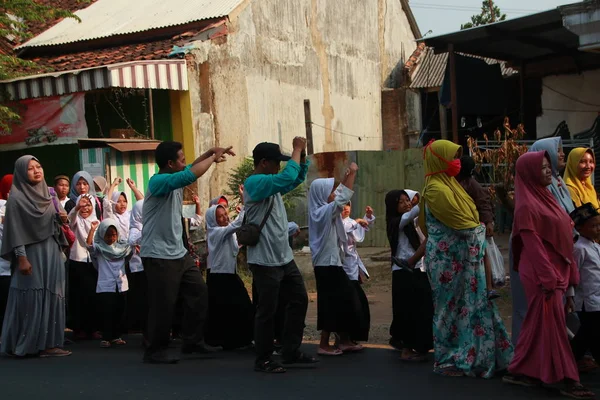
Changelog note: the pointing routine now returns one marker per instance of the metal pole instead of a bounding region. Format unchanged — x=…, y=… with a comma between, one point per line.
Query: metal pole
x=453, y=93
x=308, y=124
x=151, y=106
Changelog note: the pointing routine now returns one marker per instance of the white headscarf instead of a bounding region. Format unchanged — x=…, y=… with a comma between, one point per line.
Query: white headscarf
x=122, y=219
x=116, y=251
x=84, y=225
x=218, y=240
x=322, y=218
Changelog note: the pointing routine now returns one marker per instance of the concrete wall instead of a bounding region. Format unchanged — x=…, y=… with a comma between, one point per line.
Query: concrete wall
x=249, y=86
x=583, y=87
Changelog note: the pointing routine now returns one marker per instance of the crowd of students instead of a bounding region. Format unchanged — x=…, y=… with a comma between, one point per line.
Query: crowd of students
x=131, y=270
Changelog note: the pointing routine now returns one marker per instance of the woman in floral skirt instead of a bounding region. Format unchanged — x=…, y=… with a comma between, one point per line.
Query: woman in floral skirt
x=468, y=333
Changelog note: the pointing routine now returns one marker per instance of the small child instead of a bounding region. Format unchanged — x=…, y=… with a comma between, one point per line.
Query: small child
x=198, y=219
x=587, y=295
x=109, y=254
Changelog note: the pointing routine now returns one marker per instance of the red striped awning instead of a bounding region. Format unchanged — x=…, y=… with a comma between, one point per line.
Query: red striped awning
x=162, y=74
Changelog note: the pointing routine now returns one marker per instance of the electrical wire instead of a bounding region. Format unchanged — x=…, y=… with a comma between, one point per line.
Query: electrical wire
x=346, y=134
x=570, y=97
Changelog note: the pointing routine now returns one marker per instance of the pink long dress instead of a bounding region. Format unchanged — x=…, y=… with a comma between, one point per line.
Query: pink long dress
x=543, y=255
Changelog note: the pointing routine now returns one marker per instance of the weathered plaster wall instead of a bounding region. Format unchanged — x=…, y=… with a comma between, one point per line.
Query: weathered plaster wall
x=339, y=54
x=583, y=87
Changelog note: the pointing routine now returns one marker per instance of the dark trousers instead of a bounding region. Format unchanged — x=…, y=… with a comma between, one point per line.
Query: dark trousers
x=4, y=288
x=167, y=281
x=137, y=302
x=112, y=306
x=588, y=335
x=83, y=278
x=271, y=284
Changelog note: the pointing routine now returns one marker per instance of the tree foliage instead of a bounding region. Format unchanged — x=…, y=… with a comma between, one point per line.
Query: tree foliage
x=490, y=13
x=239, y=175
x=16, y=16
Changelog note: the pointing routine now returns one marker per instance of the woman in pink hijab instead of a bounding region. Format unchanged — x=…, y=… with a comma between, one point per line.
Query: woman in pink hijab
x=543, y=255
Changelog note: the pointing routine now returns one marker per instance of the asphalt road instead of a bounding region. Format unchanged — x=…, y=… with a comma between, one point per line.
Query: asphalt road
x=95, y=373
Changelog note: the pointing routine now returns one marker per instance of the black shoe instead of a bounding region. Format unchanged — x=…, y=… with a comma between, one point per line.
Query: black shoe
x=198, y=348
x=396, y=344
x=159, y=357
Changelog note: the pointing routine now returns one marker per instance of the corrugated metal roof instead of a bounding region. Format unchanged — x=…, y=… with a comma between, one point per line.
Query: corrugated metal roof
x=431, y=69
x=106, y=18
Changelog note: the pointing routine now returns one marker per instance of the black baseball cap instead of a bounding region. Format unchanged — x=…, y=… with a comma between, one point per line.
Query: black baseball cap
x=268, y=151
x=583, y=213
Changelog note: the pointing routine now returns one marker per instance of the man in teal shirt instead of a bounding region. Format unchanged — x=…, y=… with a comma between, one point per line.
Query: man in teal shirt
x=170, y=270
x=271, y=261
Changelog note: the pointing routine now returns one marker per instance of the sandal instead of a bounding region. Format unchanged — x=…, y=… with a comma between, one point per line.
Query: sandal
x=118, y=342
x=351, y=349
x=105, y=344
x=521, y=380
x=449, y=371
x=335, y=352
x=270, y=367
x=302, y=358
x=56, y=352
x=577, y=391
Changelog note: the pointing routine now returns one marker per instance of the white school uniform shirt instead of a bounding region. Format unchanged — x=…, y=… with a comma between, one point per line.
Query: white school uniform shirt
x=326, y=252
x=135, y=262
x=81, y=228
x=198, y=220
x=4, y=264
x=111, y=274
x=404, y=250
x=587, y=293
x=355, y=234
x=223, y=246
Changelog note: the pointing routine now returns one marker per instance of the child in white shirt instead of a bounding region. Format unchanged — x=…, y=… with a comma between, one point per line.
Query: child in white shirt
x=587, y=294
x=109, y=254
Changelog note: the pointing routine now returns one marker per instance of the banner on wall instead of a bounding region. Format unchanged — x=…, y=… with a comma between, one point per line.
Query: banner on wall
x=48, y=120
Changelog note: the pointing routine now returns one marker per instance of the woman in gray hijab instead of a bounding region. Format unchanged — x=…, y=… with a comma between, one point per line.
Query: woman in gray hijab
x=34, y=322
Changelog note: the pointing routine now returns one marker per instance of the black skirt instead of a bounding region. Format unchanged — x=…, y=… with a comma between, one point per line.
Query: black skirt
x=338, y=305
x=412, y=306
x=4, y=289
x=361, y=331
x=230, y=320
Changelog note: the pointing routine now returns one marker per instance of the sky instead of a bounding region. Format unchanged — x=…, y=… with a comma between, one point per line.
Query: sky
x=444, y=16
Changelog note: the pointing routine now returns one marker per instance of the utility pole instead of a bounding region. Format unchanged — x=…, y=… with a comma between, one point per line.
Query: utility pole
x=308, y=124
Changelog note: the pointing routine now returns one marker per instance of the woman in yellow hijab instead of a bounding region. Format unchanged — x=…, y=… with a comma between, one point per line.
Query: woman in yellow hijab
x=580, y=167
x=462, y=316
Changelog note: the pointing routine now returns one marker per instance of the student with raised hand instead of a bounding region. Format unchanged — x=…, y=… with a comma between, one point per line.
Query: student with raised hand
x=170, y=270
x=337, y=305
x=272, y=261
x=115, y=205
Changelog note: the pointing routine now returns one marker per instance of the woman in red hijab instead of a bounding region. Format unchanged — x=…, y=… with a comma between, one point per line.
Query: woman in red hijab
x=543, y=255
x=5, y=185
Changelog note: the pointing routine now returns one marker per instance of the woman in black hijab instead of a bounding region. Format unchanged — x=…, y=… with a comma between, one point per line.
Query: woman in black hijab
x=411, y=328
x=34, y=322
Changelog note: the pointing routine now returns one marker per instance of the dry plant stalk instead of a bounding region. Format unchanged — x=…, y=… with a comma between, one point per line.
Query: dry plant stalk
x=502, y=158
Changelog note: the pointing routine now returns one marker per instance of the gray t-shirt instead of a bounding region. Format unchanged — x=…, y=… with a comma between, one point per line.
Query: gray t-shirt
x=162, y=234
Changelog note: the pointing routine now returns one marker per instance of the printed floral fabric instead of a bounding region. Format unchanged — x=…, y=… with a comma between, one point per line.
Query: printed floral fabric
x=468, y=332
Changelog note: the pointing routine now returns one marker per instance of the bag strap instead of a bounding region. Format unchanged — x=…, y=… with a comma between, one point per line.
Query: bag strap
x=54, y=199
x=267, y=215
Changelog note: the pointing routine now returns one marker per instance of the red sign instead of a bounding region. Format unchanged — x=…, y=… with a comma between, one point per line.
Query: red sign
x=47, y=120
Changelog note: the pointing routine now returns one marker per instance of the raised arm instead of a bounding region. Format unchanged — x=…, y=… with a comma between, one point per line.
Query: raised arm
x=90, y=238
x=137, y=193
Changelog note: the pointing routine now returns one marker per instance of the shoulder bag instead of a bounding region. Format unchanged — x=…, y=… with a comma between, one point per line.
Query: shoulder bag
x=249, y=234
